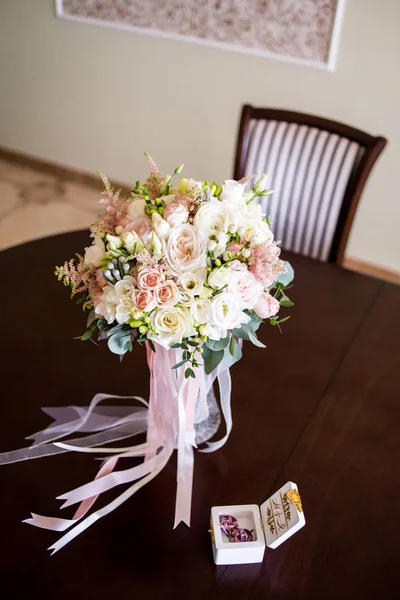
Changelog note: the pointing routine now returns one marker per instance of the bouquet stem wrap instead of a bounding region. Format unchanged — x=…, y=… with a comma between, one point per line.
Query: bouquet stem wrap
x=175, y=405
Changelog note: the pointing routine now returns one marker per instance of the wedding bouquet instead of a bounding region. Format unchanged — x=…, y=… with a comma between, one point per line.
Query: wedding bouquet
x=192, y=266
x=189, y=270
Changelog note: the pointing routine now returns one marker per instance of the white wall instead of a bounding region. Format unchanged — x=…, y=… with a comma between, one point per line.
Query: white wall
x=96, y=98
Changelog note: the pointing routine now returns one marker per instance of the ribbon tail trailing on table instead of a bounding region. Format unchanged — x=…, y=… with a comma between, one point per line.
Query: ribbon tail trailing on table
x=168, y=419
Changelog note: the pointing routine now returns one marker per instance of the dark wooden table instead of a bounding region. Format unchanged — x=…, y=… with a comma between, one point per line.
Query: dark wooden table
x=320, y=406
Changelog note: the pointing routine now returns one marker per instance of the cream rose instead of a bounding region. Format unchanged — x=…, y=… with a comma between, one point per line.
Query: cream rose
x=185, y=250
x=149, y=279
x=171, y=325
x=144, y=300
x=266, y=306
x=244, y=287
x=167, y=294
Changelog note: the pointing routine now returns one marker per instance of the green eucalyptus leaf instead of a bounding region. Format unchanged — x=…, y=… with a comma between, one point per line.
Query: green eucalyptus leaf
x=217, y=344
x=91, y=317
x=117, y=342
x=88, y=334
x=255, y=341
x=230, y=359
x=211, y=358
x=189, y=373
x=179, y=364
x=286, y=303
x=232, y=345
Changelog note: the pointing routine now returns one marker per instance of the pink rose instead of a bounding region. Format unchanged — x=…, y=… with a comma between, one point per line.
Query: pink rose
x=176, y=214
x=144, y=300
x=149, y=279
x=184, y=199
x=244, y=287
x=167, y=294
x=266, y=306
x=142, y=226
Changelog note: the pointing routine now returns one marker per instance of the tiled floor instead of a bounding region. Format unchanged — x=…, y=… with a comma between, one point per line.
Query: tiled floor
x=34, y=204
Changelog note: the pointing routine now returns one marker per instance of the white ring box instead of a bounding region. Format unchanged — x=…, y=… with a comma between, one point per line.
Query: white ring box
x=277, y=519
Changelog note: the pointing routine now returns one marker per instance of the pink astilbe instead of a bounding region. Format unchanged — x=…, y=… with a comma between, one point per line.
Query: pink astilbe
x=265, y=263
x=152, y=164
x=82, y=279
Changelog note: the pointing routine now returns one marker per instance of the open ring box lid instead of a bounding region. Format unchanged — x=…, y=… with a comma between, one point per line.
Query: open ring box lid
x=276, y=520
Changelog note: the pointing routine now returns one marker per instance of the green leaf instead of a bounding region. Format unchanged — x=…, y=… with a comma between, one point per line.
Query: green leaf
x=242, y=333
x=176, y=346
x=88, y=334
x=101, y=324
x=254, y=322
x=283, y=320
x=193, y=344
x=232, y=345
x=186, y=355
x=189, y=373
x=287, y=277
x=217, y=344
x=255, y=341
x=129, y=346
x=211, y=358
x=179, y=364
x=230, y=360
x=91, y=317
x=152, y=346
x=121, y=328
x=117, y=342
x=286, y=302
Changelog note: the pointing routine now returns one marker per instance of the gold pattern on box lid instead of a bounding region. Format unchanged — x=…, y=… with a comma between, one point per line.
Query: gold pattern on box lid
x=294, y=497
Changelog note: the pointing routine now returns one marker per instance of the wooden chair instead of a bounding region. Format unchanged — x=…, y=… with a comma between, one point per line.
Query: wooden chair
x=317, y=168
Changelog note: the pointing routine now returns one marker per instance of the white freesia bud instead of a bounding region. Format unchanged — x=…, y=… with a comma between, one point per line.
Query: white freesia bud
x=160, y=225
x=245, y=253
x=114, y=242
x=155, y=245
x=226, y=256
x=132, y=242
x=119, y=230
x=260, y=183
x=241, y=230
x=211, y=245
x=232, y=228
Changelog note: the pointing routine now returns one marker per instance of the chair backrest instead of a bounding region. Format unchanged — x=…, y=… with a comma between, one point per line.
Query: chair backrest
x=317, y=168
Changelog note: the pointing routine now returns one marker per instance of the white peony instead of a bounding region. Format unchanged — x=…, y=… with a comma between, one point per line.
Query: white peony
x=107, y=305
x=219, y=278
x=95, y=253
x=212, y=218
x=201, y=310
x=193, y=282
x=171, y=325
x=136, y=209
x=225, y=315
x=232, y=192
x=244, y=287
x=185, y=250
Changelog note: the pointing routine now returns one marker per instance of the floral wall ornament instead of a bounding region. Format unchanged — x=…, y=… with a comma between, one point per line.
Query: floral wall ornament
x=302, y=31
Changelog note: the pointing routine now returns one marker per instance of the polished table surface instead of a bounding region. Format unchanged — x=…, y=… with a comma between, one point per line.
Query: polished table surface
x=319, y=406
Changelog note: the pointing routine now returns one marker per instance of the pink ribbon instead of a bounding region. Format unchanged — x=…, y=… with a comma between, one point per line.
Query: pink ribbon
x=168, y=421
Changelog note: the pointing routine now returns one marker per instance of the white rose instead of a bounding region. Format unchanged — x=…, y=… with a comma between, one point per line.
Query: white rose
x=160, y=226
x=262, y=233
x=95, y=253
x=193, y=282
x=219, y=278
x=107, y=305
x=185, y=250
x=232, y=191
x=244, y=287
x=136, y=208
x=171, y=325
x=225, y=314
x=201, y=310
x=212, y=218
